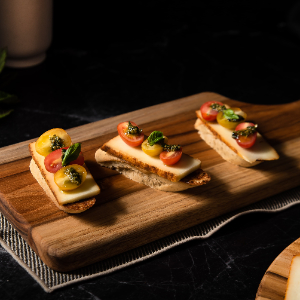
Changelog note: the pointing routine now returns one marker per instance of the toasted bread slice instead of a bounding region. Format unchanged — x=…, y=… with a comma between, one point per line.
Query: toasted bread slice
x=73, y=208
x=45, y=179
x=220, y=139
x=146, y=177
x=137, y=158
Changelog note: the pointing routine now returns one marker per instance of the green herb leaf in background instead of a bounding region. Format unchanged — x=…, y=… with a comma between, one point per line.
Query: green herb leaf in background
x=71, y=154
x=3, y=54
x=5, y=98
x=4, y=113
x=8, y=98
x=155, y=137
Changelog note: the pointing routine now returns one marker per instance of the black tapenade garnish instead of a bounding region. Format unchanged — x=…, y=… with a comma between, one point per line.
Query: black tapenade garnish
x=73, y=175
x=134, y=130
x=56, y=142
x=171, y=148
x=244, y=132
x=218, y=107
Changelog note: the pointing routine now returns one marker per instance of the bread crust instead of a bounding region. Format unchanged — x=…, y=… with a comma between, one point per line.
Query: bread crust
x=198, y=177
x=39, y=175
x=140, y=175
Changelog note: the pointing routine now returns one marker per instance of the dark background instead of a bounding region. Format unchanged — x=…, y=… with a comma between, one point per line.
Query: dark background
x=116, y=58
x=119, y=57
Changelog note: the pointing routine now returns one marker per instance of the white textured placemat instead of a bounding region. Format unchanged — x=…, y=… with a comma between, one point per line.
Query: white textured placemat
x=51, y=280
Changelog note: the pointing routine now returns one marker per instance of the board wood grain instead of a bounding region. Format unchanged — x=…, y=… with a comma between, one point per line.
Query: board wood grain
x=128, y=214
x=274, y=282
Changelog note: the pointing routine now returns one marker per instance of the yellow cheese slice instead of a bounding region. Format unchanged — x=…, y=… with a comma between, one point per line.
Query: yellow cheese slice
x=261, y=150
x=182, y=168
x=87, y=190
x=293, y=284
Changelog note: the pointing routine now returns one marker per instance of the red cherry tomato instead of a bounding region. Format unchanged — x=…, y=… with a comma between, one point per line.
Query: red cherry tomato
x=246, y=141
x=53, y=161
x=130, y=139
x=207, y=112
x=170, y=158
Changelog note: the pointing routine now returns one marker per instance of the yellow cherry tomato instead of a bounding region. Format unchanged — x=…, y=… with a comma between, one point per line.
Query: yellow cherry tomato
x=154, y=150
x=51, y=140
x=231, y=123
x=70, y=177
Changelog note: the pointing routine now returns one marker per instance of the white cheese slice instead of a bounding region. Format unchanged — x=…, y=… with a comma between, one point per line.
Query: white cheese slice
x=293, y=284
x=87, y=190
x=261, y=150
x=182, y=168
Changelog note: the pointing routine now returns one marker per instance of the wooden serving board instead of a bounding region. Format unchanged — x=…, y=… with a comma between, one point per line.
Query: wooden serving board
x=128, y=214
x=273, y=285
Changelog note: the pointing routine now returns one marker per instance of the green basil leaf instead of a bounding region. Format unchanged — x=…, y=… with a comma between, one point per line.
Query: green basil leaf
x=4, y=113
x=71, y=154
x=8, y=98
x=3, y=54
x=230, y=115
x=155, y=137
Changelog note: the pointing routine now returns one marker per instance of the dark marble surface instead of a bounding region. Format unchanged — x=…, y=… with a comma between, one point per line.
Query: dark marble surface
x=106, y=62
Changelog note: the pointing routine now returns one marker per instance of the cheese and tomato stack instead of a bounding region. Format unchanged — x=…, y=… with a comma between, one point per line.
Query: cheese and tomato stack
x=59, y=167
x=151, y=160
x=226, y=130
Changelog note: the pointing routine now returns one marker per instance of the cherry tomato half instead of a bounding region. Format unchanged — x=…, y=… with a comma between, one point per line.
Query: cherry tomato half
x=70, y=177
x=154, y=150
x=246, y=141
x=207, y=112
x=53, y=160
x=130, y=139
x=231, y=124
x=170, y=157
x=52, y=140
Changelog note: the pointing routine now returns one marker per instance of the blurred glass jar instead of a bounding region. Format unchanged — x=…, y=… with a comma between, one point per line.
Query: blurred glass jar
x=25, y=30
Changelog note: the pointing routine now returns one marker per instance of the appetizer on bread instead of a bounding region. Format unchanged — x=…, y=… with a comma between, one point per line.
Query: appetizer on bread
x=226, y=130
x=59, y=168
x=151, y=160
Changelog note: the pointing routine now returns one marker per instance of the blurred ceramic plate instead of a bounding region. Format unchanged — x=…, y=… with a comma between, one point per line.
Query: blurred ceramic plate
x=273, y=284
